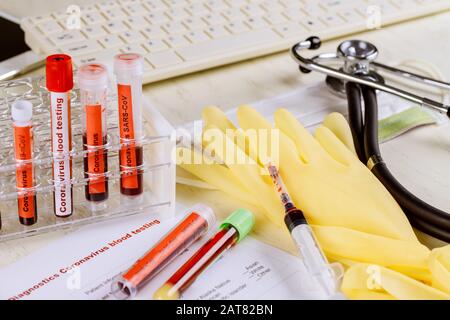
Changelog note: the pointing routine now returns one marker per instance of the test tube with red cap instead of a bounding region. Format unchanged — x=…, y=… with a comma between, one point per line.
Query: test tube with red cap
x=93, y=84
x=22, y=114
x=128, y=69
x=199, y=219
x=59, y=81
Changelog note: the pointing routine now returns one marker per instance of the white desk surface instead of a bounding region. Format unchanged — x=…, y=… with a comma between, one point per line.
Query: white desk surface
x=419, y=159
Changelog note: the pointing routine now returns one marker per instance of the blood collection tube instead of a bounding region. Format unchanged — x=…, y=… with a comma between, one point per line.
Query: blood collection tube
x=197, y=222
x=93, y=83
x=232, y=230
x=59, y=80
x=310, y=251
x=128, y=69
x=22, y=113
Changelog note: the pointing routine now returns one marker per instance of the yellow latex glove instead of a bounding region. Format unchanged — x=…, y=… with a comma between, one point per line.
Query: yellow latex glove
x=222, y=138
x=351, y=226
x=352, y=214
x=328, y=182
x=243, y=182
x=364, y=281
x=439, y=263
x=222, y=178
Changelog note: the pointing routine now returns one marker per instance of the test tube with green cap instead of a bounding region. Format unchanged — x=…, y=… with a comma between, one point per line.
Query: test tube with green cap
x=231, y=231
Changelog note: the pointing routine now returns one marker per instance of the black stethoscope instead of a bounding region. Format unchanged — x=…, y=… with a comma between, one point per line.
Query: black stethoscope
x=359, y=80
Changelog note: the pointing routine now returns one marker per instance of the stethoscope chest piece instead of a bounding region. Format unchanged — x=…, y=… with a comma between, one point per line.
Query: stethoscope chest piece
x=357, y=56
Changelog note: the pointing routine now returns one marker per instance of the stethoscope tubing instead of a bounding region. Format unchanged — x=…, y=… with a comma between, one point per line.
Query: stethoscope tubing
x=422, y=215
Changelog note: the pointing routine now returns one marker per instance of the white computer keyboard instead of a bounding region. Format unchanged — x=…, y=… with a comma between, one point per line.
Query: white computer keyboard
x=182, y=36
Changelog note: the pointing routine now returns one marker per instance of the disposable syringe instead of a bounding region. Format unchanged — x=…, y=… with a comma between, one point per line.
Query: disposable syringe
x=313, y=257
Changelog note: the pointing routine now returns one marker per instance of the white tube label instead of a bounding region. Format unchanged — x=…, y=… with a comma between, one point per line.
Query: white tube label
x=61, y=146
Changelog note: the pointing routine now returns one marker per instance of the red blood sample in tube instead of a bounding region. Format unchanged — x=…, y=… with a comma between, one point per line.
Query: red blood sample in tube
x=93, y=83
x=128, y=68
x=95, y=166
x=22, y=113
x=200, y=219
x=59, y=81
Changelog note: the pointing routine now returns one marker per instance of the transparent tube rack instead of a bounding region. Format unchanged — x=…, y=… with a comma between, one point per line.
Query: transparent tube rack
x=158, y=169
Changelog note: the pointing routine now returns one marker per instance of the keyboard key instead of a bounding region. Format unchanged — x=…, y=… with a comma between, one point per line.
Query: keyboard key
x=134, y=48
x=157, y=17
x=136, y=22
x=110, y=41
x=177, y=13
x=274, y=5
x=155, y=45
x=197, y=36
x=256, y=22
x=135, y=9
x=163, y=59
x=313, y=9
x=332, y=20
x=106, y=5
x=295, y=15
x=49, y=27
x=350, y=15
x=87, y=8
x=155, y=5
x=104, y=56
x=131, y=36
x=39, y=19
x=176, y=41
x=314, y=25
x=291, y=5
x=333, y=5
x=213, y=19
x=216, y=5
x=114, y=13
x=217, y=32
x=237, y=27
x=275, y=18
x=197, y=9
x=175, y=3
x=153, y=32
x=194, y=23
x=66, y=37
x=224, y=45
x=92, y=17
x=115, y=26
x=174, y=27
x=60, y=15
x=93, y=31
x=83, y=47
x=291, y=29
x=253, y=10
x=232, y=14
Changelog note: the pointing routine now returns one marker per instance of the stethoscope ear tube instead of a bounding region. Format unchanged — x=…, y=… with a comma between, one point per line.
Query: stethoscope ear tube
x=355, y=118
x=423, y=216
x=317, y=64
